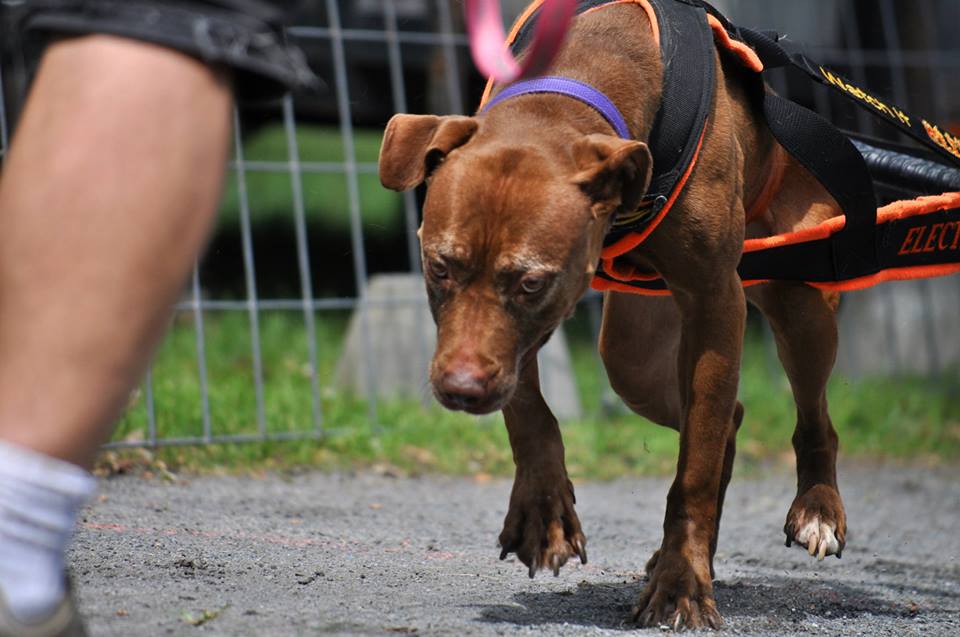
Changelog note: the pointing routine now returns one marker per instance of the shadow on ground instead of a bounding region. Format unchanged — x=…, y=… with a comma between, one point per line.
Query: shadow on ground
x=775, y=600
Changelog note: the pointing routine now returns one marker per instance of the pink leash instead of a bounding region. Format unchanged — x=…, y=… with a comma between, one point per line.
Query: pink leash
x=493, y=57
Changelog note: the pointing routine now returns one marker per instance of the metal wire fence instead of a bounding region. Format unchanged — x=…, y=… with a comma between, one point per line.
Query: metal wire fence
x=383, y=56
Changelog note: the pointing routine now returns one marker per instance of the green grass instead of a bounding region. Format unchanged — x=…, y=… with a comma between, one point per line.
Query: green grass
x=325, y=196
x=889, y=418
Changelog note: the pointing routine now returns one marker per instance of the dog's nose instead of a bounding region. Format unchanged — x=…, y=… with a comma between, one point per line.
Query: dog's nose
x=466, y=386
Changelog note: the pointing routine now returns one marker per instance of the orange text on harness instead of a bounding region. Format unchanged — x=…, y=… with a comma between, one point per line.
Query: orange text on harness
x=860, y=94
x=936, y=238
x=942, y=138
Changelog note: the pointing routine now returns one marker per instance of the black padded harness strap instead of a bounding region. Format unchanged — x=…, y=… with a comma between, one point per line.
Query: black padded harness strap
x=835, y=162
x=689, y=85
x=767, y=46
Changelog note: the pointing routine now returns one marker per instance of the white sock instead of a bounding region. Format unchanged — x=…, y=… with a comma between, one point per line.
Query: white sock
x=40, y=497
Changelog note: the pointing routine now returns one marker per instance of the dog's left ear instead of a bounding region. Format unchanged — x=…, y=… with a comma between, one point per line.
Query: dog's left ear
x=413, y=145
x=613, y=171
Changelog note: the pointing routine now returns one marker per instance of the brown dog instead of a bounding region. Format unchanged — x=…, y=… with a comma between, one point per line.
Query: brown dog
x=518, y=202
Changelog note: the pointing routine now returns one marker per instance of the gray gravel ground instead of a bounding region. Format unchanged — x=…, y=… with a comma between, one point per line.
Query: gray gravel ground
x=375, y=555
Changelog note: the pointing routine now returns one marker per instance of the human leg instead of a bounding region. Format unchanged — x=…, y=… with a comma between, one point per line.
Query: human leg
x=106, y=198
x=108, y=192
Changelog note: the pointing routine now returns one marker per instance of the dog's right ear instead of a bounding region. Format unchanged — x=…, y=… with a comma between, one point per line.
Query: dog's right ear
x=614, y=172
x=414, y=145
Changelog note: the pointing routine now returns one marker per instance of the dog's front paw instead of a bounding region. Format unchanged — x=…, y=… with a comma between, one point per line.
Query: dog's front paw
x=541, y=526
x=679, y=594
x=817, y=522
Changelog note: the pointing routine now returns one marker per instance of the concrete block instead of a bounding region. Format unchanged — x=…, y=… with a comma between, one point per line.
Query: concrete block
x=557, y=381
x=400, y=340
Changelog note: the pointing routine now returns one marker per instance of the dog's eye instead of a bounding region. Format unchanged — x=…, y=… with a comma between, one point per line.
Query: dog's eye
x=438, y=270
x=532, y=284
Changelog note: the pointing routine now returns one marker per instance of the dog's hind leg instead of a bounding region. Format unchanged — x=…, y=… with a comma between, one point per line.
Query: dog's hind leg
x=804, y=324
x=541, y=525
x=639, y=344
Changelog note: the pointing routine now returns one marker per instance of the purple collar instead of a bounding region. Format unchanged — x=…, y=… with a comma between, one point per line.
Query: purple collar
x=571, y=88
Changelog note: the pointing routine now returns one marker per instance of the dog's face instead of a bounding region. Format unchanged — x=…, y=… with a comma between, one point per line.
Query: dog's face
x=510, y=238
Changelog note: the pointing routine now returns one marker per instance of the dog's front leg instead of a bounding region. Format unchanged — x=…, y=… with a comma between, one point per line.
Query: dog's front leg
x=680, y=592
x=541, y=525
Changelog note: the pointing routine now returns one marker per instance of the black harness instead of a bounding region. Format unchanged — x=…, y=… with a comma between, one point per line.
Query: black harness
x=859, y=251
x=688, y=89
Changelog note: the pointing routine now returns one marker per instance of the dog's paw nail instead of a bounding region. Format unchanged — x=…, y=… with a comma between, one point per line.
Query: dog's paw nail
x=581, y=550
x=714, y=621
x=647, y=619
x=818, y=538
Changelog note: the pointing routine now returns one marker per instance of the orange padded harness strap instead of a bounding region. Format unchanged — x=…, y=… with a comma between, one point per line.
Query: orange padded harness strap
x=893, y=274
x=892, y=212
x=748, y=57
x=896, y=211
x=647, y=8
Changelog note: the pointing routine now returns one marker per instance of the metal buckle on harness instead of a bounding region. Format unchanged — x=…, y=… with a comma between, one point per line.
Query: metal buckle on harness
x=643, y=214
x=659, y=203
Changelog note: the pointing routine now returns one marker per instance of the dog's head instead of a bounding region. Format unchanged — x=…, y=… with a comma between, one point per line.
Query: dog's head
x=512, y=232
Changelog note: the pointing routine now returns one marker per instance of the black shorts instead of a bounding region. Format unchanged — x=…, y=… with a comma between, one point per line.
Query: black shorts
x=245, y=36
